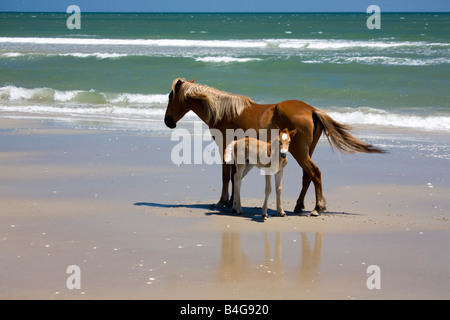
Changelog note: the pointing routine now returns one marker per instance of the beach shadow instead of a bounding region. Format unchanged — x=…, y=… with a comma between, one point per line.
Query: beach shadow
x=163, y=205
x=330, y=213
x=252, y=213
x=208, y=209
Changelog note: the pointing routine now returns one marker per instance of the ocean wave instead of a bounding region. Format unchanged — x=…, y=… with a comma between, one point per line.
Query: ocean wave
x=12, y=54
x=318, y=44
x=336, y=59
x=95, y=104
x=98, y=55
x=378, y=117
x=19, y=95
x=225, y=59
x=141, y=98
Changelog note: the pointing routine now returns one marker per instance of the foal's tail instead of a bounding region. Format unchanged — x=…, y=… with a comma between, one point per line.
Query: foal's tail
x=339, y=137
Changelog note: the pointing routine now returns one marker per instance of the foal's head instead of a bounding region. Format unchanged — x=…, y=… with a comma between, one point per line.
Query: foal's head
x=285, y=139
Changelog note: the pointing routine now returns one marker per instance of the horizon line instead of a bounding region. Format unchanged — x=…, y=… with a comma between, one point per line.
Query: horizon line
x=224, y=12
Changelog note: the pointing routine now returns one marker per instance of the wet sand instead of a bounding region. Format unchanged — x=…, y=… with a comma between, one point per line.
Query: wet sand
x=140, y=227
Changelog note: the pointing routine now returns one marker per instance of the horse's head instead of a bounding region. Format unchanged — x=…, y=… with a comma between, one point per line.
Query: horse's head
x=285, y=139
x=176, y=107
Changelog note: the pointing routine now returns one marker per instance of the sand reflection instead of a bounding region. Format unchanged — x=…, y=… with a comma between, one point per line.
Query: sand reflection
x=245, y=264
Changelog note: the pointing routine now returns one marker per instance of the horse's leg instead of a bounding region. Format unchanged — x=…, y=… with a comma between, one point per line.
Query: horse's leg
x=267, y=193
x=226, y=176
x=314, y=173
x=306, y=180
x=316, y=177
x=278, y=178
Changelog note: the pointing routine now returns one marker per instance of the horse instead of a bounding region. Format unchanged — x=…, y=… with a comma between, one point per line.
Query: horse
x=224, y=111
x=271, y=157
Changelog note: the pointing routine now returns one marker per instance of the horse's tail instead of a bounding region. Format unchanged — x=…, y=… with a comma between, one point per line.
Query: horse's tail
x=229, y=152
x=339, y=137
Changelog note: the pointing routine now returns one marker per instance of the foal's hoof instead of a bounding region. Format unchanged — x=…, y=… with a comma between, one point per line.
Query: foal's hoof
x=223, y=203
x=219, y=205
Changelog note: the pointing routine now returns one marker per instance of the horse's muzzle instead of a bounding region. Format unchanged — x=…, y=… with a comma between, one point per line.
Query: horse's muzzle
x=168, y=120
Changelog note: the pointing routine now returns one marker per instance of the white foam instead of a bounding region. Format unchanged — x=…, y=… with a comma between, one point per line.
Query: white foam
x=13, y=93
x=137, y=42
x=12, y=54
x=105, y=111
x=66, y=95
x=98, y=55
x=141, y=98
x=384, y=60
x=319, y=44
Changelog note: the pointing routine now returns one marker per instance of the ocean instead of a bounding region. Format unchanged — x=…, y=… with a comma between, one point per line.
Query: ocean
x=116, y=71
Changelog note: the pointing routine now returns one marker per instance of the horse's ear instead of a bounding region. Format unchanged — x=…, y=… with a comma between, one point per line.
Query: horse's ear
x=192, y=81
x=293, y=132
x=177, y=86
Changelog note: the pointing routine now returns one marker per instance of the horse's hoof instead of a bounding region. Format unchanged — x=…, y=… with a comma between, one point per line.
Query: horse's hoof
x=298, y=209
x=314, y=213
x=282, y=214
x=264, y=217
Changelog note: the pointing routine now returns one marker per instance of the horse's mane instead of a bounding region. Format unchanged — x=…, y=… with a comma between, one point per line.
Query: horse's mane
x=218, y=104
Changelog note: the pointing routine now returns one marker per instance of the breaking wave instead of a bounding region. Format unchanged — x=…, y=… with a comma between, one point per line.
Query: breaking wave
x=131, y=106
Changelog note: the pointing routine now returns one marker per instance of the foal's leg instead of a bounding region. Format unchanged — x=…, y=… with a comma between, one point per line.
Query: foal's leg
x=267, y=193
x=278, y=178
x=233, y=172
x=237, y=188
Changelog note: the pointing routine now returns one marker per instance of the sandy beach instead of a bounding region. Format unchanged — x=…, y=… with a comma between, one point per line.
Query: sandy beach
x=140, y=227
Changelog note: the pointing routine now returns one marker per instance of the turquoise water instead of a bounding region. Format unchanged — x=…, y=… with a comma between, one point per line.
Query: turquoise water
x=121, y=66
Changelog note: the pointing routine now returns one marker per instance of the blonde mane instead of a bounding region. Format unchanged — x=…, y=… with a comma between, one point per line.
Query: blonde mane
x=218, y=104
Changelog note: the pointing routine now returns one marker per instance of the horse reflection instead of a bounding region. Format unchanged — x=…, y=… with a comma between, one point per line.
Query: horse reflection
x=237, y=264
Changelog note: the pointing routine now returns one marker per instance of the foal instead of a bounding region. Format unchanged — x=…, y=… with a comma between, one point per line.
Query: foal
x=271, y=157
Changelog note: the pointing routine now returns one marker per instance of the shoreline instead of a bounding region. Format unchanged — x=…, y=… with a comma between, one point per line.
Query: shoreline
x=140, y=227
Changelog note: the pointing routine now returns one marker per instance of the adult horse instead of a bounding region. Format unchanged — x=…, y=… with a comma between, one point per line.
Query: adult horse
x=221, y=111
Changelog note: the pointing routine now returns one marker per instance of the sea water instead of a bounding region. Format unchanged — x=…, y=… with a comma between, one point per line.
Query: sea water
x=118, y=68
